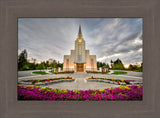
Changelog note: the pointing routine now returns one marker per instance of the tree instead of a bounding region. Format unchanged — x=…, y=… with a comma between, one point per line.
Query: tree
x=47, y=64
x=102, y=64
x=99, y=64
x=111, y=63
x=44, y=64
x=118, y=64
x=60, y=65
x=22, y=59
x=32, y=65
x=141, y=68
x=54, y=64
x=107, y=66
x=136, y=67
x=34, y=60
x=130, y=67
x=40, y=66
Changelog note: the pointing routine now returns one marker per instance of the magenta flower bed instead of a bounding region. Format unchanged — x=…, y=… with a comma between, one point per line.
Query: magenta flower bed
x=133, y=92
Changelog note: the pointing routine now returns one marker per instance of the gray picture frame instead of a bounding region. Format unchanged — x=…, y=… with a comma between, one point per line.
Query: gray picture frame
x=10, y=10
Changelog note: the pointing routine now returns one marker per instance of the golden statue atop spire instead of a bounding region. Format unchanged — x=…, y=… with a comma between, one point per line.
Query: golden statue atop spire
x=80, y=33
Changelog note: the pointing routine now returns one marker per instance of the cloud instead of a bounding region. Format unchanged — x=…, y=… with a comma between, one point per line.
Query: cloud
x=108, y=38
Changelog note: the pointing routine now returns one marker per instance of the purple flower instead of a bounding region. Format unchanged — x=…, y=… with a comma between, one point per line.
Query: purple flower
x=132, y=92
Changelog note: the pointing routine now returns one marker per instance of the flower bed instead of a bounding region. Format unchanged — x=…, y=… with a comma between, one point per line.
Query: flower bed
x=115, y=81
x=132, y=92
x=46, y=81
x=64, y=72
x=96, y=72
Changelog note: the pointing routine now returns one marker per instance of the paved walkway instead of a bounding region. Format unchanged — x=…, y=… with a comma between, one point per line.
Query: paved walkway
x=80, y=82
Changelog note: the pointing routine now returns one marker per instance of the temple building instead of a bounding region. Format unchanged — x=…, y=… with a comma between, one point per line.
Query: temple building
x=80, y=59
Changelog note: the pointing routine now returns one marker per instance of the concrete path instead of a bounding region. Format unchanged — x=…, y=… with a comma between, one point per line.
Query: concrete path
x=81, y=83
x=29, y=73
x=129, y=73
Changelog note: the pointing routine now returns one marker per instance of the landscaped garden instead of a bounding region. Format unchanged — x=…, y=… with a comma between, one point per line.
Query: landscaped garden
x=44, y=73
x=40, y=72
x=97, y=72
x=63, y=72
x=132, y=92
x=46, y=81
x=115, y=81
x=119, y=72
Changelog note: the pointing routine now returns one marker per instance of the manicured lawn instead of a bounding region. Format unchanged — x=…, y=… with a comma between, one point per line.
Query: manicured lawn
x=108, y=71
x=51, y=72
x=119, y=72
x=40, y=72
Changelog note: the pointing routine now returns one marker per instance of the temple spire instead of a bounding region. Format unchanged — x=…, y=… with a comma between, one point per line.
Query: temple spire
x=80, y=28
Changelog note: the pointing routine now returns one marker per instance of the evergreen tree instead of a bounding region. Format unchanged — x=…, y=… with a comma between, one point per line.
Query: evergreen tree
x=118, y=64
x=111, y=63
x=107, y=66
x=22, y=60
x=47, y=64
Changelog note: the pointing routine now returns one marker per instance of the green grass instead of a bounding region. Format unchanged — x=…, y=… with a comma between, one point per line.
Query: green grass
x=119, y=72
x=40, y=72
x=51, y=72
x=108, y=71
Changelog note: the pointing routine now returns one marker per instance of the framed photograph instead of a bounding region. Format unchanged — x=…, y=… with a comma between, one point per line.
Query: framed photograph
x=79, y=59
x=45, y=72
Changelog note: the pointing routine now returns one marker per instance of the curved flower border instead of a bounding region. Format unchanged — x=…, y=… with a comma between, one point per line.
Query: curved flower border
x=46, y=81
x=114, y=81
x=133, y=92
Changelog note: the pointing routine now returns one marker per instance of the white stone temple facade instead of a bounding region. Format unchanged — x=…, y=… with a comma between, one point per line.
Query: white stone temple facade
x=80, y=60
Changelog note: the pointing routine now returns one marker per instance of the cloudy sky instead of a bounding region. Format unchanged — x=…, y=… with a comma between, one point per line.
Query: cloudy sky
x=108, y=38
